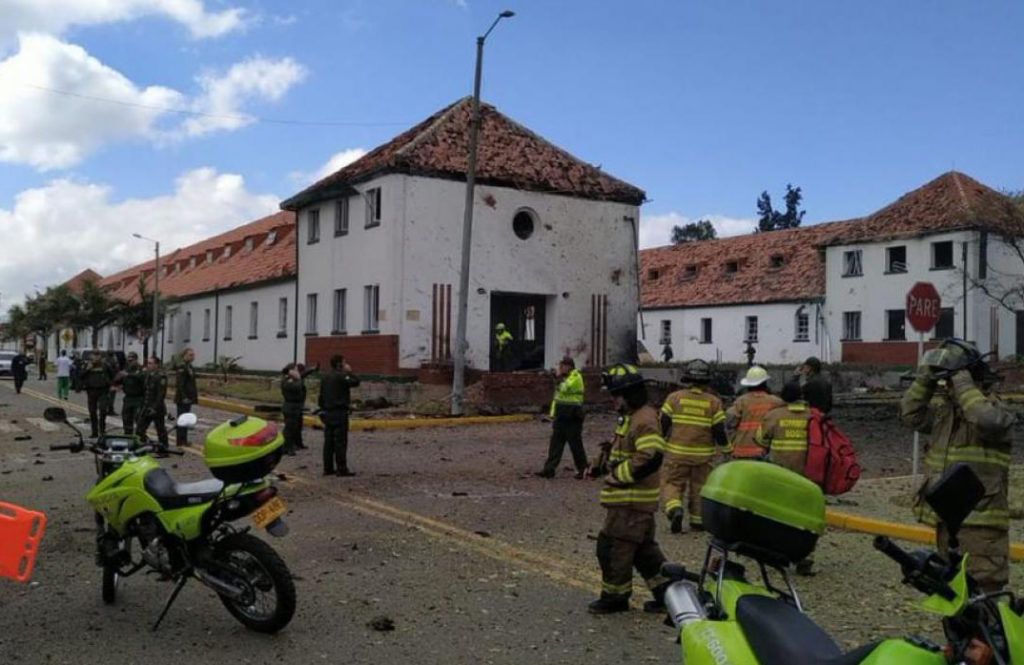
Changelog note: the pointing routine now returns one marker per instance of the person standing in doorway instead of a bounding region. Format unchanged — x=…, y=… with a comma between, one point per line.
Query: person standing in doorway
x=502, y=347
x=63, y=364
x=567, y=421
x=334, y=402
x=19, y=370
x=186, y=393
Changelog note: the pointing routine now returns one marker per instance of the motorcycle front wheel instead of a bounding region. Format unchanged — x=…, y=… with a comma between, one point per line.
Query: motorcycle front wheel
x=271, y=604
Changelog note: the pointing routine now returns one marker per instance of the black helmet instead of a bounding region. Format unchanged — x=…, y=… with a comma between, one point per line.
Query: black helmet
x=621, y=377
x=954, y=355
x=697, y=371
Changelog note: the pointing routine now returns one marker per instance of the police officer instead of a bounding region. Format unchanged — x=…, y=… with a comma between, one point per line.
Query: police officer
x=744, y=417
x=503, y=347
x=630, y=498
x=132, y=383
x=334, y=400
x=567, y=420
x=694, y=421
x=817, y=387
x=97, y=382
x=186, y=393
x=154, y=407
x=293, y=395
x=950, y=400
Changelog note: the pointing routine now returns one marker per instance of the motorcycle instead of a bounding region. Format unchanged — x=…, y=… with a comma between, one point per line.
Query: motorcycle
x=723, y=618
x=145, y=520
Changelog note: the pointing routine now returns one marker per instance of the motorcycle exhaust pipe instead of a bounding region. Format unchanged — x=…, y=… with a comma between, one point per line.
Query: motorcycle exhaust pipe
x=683, y=604
x=220, y=586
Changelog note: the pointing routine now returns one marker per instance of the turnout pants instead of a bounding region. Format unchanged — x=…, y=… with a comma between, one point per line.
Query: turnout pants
x=158, y=417
x=681, y=481
x=180, y=433
x=335, y=442
x=129, y=416
x=627, y=541
x=99, y=405
x=292, y=431
x=566, y=430
x=989, y=550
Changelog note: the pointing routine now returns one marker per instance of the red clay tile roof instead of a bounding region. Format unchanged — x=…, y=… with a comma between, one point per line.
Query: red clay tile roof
x=265, y=261
x=509, y=155
x=953, y=201
x=87, y=275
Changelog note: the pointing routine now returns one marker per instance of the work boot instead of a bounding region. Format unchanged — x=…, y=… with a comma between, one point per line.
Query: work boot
x=609, y=605
x=581, y=474
x=696, y=526
x=544, y=474
x=675, y=518
x=657, y=604
x=345, y=473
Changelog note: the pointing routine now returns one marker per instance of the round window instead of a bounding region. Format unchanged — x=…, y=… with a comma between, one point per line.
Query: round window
x=522, y=224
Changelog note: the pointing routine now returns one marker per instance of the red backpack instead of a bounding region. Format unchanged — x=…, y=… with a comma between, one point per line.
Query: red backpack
x=831, y=459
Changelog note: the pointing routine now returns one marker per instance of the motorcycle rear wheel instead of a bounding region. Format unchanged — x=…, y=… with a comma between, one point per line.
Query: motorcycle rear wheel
x=110, y=579
x=272, y=605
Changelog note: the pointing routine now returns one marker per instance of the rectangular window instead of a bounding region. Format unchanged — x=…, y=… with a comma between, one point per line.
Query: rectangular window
x=751, y=329
x=313, y=226
x=705, y=331
x=254, y=313
x=895, y=325
x=371, y=307
x=690, y=272
x=228, y=311
x=732, y=267
x=311, y=314
x=341, y=217
x=852, y=263
x=282, y=317
x=945, y=326
x=851, y=326
x=206, y=325
x=803, y=326
x=896, y=259
x=373, y=198
x=666, y=332
x=170, y=328
x=187, y=333
x=942, y=255
x=338, y=320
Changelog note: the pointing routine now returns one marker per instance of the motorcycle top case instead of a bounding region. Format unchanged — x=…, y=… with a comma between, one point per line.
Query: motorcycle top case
x=764, y=510
x=243, y=449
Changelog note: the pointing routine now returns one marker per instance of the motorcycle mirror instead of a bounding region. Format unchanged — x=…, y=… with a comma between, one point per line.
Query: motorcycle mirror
x=55, y=414
x=955, y=495
x=187, y=420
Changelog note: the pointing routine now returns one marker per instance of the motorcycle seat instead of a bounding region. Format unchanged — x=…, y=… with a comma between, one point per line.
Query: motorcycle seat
x=171, y=494
x=780, y=634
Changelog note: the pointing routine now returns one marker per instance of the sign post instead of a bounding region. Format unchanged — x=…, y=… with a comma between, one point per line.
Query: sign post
x=924, y=307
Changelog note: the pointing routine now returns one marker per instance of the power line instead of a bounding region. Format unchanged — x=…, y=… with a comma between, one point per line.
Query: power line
x=191, y=112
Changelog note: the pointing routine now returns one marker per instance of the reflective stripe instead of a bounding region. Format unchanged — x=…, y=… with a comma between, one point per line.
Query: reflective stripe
x=789, y=445
x=650, y=441
x=702, y=403
x=691, y=420
x=624, y=473
x=672, y=504
x=718, y=418
x=617, y=455
x=748, y=451
x=968, y=454
x=695, y=451
x=617, y=589
x=666, y=408
x=629, y=495
x=993, y=517
x=971, y=397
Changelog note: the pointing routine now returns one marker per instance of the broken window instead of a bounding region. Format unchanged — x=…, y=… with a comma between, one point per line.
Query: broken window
x=945, y=325
x=705, y=331
x=732, y=267
x=803, y=326
x=777, y=261
x=896, y=259
x=895, y=325
x=942, y=255
x=530, y=324
x=751, y=329
x=690, y=272
x=522, y=224
x=666, y=332
x=852, y=263
x=373, y=205
x=851, y=326
x=653, y=274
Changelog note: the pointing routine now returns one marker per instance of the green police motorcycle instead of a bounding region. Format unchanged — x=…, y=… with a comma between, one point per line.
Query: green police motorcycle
x=146, y=521
x=761, y=513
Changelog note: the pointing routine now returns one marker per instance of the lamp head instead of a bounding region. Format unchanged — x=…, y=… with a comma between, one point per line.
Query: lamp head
x=508, y=13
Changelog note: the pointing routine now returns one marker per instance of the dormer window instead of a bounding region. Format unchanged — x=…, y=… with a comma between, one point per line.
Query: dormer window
x=272, y=237
x=777, y=261
x=209, y=256
x=732, y=267
x=653, y=274
x=248, y=244
x=192, y=262
x=690, y=272
x=227, y=251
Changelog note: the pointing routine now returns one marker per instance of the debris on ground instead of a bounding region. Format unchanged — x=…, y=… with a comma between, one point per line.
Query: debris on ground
x=381, y=624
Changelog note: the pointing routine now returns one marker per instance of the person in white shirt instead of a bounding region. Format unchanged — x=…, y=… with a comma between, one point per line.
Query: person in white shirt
x=63, y=364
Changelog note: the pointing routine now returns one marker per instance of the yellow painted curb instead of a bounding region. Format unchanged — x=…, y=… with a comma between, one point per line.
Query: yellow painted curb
x=912, y=532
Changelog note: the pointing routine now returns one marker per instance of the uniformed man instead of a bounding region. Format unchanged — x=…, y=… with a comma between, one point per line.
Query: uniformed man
x=293, y=395
x=110, y=360
x=97, y=382
x=630, y=498
x=502, y=346
x=966, y=424
x=567, y=420
x=186, y=393
x=694, y=422
x=746, y=414
x=132, y=382
x=334, y=401
x=817, y=387
x=154, y=406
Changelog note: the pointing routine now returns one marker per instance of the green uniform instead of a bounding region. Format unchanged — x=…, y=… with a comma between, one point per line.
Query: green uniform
x=97, y=381
x=293, y=394
x=154, y=406
x=132, y=382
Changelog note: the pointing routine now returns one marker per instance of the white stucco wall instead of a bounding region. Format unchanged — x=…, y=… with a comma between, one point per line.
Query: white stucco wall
x=776, y=324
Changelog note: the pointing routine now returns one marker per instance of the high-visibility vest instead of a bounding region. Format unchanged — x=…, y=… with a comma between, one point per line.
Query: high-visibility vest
x=750, y=410
x=569, y=392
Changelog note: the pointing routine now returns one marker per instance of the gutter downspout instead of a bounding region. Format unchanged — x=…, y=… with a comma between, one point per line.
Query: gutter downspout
x=636, y=266
x=295, y=308
x=216, y=324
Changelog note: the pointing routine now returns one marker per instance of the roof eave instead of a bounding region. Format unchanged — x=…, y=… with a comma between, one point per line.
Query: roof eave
x=307, y=197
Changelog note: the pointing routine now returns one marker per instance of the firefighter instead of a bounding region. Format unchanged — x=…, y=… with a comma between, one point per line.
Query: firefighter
x=630, y=498
x=502, y=346
x=97, y=381
x=154, y=406
x=567, y=421
x=132, y=383
x=967, y=424
x=694, y=423
x=744, y=417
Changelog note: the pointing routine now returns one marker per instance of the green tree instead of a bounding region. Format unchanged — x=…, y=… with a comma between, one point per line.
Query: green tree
x=692, y=232
x=135, y=316
x=96, y=308
x=770, y=219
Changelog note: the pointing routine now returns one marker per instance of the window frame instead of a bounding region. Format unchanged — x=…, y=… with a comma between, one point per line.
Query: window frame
x=952, y=255
x=169, y=334
x=341, y=217
x=707, y=330
x=665, y=332
x=747, y=328
x=339, y=316
x=889, y=261
x=944, y=312
x=802, y=319
x=186, y=335
x=848, y=317
x=312, y=226
x=206, y=324
x=889, y=319
x=859, y=254
x=371, y=309
x=229, y=314
x=254, y=319
x=311, y=314
x=282, y=317
x=373, y=201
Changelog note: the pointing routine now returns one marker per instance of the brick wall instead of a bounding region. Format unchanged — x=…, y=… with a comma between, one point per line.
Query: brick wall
x=883, y=353
x=368, y=354
x=512, y=389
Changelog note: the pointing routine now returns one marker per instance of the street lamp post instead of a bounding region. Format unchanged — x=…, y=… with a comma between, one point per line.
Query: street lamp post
x=459, y=373
x=156, y=288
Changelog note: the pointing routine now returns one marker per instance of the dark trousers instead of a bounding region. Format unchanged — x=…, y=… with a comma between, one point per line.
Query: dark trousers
x=156, y=417
x=19, y=381
x=292, y=431
x=129, y=416
x=180, y=433
x=566, y=430
x=42, y=370
x=335, y=442
x=99, y=406
x=626, y=541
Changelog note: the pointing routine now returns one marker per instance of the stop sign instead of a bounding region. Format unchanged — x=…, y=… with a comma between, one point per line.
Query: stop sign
x=923, y=306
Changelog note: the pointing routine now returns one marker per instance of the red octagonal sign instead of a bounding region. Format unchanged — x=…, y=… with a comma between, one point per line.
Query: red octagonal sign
x=923, y=306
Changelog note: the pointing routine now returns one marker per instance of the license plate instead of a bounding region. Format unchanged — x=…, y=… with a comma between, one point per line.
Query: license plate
x=269, y=512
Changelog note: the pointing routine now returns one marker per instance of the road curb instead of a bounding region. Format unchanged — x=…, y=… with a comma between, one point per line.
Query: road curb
x=912, y=532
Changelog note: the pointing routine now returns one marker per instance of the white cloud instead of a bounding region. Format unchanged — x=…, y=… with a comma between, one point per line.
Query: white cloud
x=58, y=104
x=56, y=16
x=67, y=226
x=656, y=230
x=338, y=161
x=224, y=95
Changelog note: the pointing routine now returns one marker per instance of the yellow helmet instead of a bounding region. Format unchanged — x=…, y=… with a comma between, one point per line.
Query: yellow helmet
x=756, y=376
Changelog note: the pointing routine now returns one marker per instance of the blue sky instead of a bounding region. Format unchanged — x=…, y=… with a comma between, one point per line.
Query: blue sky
x=702, y=104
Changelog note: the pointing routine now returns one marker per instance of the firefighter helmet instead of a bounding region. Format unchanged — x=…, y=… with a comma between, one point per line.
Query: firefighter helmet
x=621, y=377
